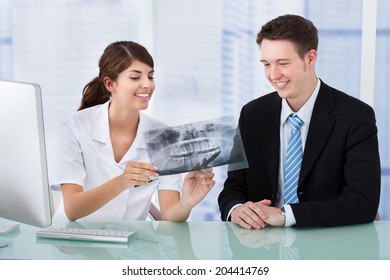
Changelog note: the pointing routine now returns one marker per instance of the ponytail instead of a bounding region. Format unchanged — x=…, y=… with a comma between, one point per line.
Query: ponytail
x=94, y=93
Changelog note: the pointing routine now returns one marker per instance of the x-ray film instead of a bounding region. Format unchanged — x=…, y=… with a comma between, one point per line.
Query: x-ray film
x=195, y=146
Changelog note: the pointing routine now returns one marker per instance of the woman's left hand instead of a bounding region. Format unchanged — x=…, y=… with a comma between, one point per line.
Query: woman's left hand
x=197, y=184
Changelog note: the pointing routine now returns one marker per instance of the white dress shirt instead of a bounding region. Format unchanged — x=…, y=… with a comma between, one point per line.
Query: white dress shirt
x=84, y=156
x=285, y=131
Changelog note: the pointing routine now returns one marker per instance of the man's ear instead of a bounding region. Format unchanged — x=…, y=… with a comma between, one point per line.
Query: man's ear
x=312, y=56
x=109, y=84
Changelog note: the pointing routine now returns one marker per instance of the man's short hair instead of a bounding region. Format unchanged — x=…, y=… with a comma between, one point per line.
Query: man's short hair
x=300, y=31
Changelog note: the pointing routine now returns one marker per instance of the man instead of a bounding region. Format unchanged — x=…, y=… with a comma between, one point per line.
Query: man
x=333, y=160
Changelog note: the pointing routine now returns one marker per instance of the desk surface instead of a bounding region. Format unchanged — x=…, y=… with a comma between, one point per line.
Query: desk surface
x=207, y=241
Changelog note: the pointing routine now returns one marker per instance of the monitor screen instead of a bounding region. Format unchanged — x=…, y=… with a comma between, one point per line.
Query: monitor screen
x=24, y=187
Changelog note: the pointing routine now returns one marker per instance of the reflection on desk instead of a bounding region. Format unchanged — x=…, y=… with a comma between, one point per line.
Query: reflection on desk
x=358, y=242
x=207, y=240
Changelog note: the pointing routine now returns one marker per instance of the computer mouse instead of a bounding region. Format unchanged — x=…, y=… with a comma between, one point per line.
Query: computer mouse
x=3, y=244
x=8, y=227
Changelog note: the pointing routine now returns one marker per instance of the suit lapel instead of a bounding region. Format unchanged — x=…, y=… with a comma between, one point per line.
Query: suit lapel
x=270, y=138
x=321, y=125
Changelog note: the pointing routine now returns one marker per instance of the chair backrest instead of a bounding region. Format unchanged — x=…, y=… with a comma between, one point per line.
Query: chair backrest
x=154, y=213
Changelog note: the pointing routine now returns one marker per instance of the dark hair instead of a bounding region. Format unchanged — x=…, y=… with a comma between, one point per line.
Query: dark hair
x=117, y=57
x=294, y=28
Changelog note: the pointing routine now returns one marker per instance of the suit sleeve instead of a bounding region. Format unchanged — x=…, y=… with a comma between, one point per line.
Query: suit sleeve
x=358, y=198
x=234, y=191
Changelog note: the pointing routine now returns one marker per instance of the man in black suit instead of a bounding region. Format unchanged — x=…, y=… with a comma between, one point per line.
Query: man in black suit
x=339, y=170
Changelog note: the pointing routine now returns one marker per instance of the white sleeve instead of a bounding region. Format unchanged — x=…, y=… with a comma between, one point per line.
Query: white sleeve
x=290, y=218
x=170, y=182
x=66, y=160
x=229, y=216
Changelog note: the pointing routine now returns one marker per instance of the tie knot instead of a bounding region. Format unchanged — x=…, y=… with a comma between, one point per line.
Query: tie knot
x=295, y=122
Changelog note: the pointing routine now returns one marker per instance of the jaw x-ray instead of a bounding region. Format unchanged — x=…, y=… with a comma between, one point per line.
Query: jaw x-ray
x=195, y=146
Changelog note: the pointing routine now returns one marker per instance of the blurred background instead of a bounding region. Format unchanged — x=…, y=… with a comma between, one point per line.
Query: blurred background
x=206, y=58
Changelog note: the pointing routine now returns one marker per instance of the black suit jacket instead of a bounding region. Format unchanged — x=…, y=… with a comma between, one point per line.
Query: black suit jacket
x=339, y=182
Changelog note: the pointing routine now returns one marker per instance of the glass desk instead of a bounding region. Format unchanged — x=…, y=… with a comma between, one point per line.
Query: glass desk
x=207, y=241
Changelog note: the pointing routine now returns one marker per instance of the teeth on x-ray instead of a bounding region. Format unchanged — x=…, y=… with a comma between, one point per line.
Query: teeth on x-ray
x=195, y=146
x=191, y=153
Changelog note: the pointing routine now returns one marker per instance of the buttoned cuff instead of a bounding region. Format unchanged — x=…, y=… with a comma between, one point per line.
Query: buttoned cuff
x=228, y=218
x=290, y=218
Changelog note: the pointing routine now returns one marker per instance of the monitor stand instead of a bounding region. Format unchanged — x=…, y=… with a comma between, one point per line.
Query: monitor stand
x=3, y=243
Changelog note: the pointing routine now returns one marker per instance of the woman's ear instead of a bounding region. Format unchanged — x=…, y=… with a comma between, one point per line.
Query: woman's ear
x=109, y=84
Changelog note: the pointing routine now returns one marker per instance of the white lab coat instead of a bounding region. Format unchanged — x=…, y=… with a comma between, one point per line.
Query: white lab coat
x=84, y=156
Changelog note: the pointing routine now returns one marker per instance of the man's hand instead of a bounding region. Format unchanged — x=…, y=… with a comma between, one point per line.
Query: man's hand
x=271, y=215
x=250, y=215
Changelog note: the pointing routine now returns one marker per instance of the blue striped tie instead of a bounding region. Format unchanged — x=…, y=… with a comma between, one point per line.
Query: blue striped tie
x=293, y=160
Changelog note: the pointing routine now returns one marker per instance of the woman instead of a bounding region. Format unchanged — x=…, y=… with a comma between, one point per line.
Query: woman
x=102, y=163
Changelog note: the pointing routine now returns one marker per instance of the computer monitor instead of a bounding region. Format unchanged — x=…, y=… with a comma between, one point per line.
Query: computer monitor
x=24, y=186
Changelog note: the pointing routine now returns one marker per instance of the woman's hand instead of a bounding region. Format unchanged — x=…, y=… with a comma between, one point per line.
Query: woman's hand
x=196, y=185
x=137, y=174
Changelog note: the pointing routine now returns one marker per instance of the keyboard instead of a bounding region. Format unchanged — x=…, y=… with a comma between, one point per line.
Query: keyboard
x=83, y=234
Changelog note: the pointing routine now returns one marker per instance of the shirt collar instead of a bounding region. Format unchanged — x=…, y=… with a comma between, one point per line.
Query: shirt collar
x=143, y=126
x=101, y=131
x=305, y=112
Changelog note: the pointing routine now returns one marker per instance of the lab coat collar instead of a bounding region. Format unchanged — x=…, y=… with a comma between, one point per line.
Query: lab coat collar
x=135, y=152
x=101, y=129
x=101, y=132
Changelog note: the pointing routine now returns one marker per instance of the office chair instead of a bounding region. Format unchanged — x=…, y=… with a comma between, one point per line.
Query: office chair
x=154, y=213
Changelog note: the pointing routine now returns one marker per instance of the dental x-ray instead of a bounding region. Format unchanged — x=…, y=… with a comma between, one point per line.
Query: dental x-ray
x=195, y=146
